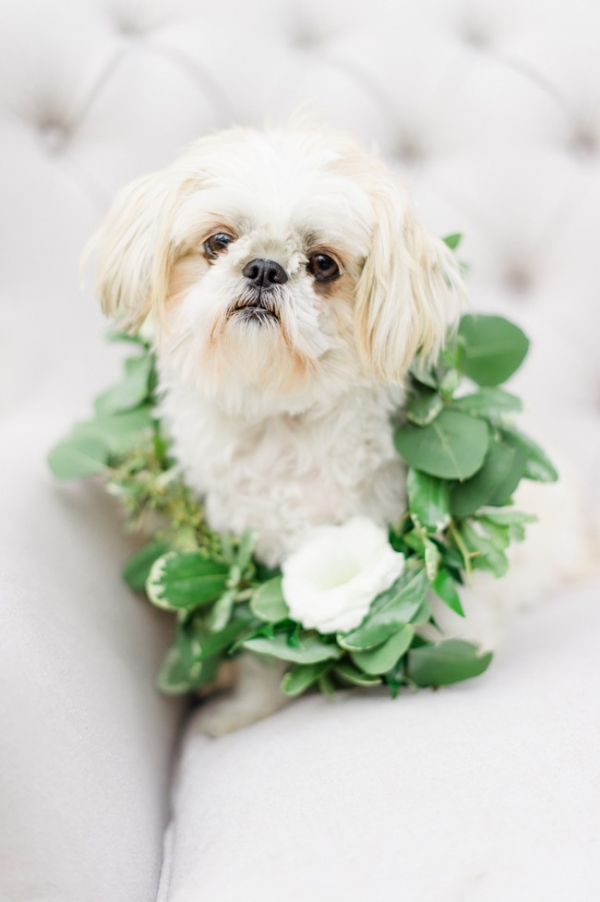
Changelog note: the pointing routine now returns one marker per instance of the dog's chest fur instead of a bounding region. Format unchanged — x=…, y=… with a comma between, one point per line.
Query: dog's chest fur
x=283, y=474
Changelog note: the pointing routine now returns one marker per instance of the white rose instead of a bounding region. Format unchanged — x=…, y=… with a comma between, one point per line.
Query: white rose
x=331, y=580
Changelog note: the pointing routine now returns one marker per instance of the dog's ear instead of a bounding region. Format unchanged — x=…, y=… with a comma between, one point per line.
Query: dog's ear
x=406, y=290
x=133, y=248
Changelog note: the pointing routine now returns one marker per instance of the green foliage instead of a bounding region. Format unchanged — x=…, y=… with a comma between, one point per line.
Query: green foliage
x=453, y=446
x=465, y=459
x=493, y=348
x=442, y=663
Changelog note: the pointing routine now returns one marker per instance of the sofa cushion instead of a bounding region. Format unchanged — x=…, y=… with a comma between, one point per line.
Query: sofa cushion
x=486, y=791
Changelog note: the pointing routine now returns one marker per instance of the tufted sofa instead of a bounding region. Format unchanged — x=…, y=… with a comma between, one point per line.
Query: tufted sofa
x=109, y=793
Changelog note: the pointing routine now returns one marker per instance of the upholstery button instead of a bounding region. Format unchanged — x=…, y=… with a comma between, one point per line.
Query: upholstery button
x=518, y=279
x=54, y=135
x=409, y=150
x=475, y=35
x=584, y=141
x=129, y=28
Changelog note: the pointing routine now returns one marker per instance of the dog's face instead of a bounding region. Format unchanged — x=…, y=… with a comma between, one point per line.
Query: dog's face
x=284, y=266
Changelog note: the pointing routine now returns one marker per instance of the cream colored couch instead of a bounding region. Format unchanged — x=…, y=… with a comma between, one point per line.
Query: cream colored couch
x=484, y=793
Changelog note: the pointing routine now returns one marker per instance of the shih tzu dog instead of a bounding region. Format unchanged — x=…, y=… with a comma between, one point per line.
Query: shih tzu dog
x=289, y=286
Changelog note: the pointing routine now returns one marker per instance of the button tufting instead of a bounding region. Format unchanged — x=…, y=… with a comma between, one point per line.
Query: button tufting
x=584, y=142
x=518, y=279
x=128, y=27
x=54, y=134
x=410, y=151
x=475, y=35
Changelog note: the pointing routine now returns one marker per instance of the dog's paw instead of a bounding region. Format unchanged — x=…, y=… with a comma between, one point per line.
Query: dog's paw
x=256, y=695
x=226, y=715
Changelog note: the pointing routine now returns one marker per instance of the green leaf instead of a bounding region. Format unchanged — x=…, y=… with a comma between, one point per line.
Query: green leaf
x=184, y=581
x=221, y=612
x=137, y=568
x=210, y=643
x=175, y=678
x=183, y=668
x=484, y=555
x=309, y=650
x=493, y=403
x=453, y=240
x=301, y=676
x=513, y=521
x=452, y=447
x=78, y=456
x=389, y=612
x=538, y=466
x=422, y=373
x=428, y=500
x=432, y=559
x=120, y=430
x=268, y=603
x=132, y=391
x=350, y=674
x=499, y=536
x=422, y=614
x=379, y=660
x=494, y=348
x=469, y=496
x=88, y=448
x=445, y=588
x=449, y=661
x=246, y=548
x=503, y=492
x=423, y=406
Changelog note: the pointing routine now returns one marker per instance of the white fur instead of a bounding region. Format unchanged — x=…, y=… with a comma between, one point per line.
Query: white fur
x=286, y=424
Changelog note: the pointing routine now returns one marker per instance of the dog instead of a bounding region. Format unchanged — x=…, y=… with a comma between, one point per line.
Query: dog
x=288, y=285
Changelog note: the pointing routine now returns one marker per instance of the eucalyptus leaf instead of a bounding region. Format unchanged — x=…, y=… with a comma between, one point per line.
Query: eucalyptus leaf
x=445, y=588
x=491, y=402
x=309, y=650
x=185, y=581
x=302, y=676
x=503, y=492
x=445, y=662
x=538, y=466
x=483, y=553
x=136, y=569
x=389, y=612
x=422, y=614
x=494, y=348
x=423, y=406
x=469, y=496
x=379, y=660
x=428, y=500
x=78, y=456
x=132, y=391
x=268, y=603
x=452, y=447
x=422, y=373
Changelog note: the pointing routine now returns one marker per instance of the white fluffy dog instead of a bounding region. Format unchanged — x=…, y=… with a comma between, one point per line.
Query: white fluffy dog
x=290, y=287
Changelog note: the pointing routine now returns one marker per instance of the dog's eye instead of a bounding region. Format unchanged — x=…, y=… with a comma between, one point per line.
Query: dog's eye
x=217, y=244
x=323, y=267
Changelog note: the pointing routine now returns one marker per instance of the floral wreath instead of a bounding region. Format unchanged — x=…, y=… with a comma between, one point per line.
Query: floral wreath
x=353, y=605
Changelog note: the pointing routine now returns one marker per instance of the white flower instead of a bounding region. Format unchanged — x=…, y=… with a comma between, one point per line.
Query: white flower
x=331, y=580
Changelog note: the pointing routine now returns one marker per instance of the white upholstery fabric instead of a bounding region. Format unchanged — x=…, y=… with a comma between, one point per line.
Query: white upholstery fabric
x=491, y=112
x=488, y=791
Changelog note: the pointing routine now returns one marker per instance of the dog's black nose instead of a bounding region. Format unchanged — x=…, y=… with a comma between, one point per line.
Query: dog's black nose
x=264, y=273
